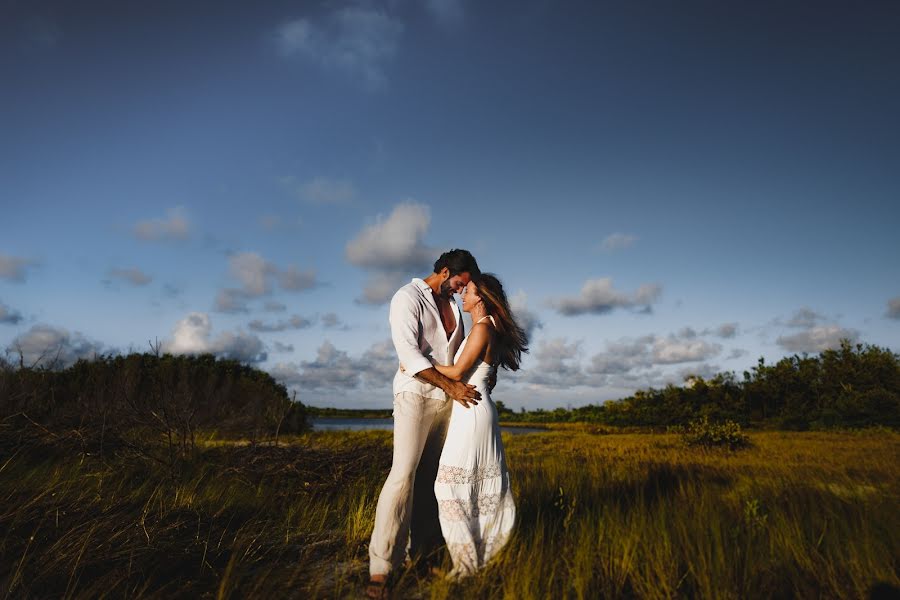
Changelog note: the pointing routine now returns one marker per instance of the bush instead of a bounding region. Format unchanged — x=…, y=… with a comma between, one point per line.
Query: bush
x=150, y=403
x=700, y=432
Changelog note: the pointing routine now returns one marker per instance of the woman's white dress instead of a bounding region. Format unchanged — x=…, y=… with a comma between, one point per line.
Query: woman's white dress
x=475, y=503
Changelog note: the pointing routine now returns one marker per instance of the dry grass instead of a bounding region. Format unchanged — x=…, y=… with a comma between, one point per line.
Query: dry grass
x=624, y=515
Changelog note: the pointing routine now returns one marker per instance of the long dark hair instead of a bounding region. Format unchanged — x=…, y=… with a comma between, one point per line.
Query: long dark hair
x=512, y=340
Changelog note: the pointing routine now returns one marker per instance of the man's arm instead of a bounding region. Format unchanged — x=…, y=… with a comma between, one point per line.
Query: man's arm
x=404, y=319
x=463, y=393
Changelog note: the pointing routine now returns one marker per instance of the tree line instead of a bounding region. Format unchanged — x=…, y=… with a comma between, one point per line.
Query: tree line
x=154, y=404
x=850, y=386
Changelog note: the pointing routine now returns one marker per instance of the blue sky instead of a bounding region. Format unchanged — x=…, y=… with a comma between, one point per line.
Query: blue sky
x=664, y=188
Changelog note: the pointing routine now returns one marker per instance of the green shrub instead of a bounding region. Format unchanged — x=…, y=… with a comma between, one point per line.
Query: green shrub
x=701, y=432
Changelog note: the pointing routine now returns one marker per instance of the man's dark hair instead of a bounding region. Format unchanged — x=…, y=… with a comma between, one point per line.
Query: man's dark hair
x=458, y=261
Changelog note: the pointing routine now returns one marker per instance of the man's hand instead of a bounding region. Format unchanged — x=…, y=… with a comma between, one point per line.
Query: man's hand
x=463, y=393
x=492, y=380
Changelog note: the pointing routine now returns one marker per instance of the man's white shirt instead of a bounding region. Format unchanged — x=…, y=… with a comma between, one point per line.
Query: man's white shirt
x=420, y=338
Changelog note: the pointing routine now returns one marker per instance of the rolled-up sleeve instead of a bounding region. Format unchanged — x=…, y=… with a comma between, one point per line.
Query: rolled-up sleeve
x=404, y=319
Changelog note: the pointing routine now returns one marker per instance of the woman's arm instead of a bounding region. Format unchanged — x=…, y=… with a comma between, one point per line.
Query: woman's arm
x=474, y=351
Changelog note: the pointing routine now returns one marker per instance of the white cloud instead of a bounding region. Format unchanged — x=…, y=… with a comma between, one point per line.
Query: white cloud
x=558, y=365
x=257, y=277
x=174, y=227
x=598, y=296
x=817, y=338
x=192, y=335
x=253, y=271
x=395, y=242
x=336, y=370
x=8, y=315
x=630, y=355
x=392, y=249
x=672, y=349
x=893, y=308
x=816, y=333
x=48, y=346
x=295, y=322
x=12, y=268
x=381, y=286
x=134, y=276
x=357, y=40
x=617, y=241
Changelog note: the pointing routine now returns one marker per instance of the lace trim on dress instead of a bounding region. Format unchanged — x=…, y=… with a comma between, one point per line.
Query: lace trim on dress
x=468, y=556
x=465, y=510
x=451, y=474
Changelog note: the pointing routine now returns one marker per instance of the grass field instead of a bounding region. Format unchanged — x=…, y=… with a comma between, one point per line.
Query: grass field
x=802, y=515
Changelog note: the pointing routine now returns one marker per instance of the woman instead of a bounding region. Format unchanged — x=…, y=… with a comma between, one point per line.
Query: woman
x=475, y=503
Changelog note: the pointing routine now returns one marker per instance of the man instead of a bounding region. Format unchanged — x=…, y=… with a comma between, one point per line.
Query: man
x=426, y=328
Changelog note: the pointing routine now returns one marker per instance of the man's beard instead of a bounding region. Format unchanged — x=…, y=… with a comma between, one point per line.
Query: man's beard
x=446, y=290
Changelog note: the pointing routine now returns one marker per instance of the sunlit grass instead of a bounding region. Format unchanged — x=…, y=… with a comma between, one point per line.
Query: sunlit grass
x=623, y=515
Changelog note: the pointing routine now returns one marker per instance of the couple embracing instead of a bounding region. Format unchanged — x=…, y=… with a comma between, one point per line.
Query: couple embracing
x=449, y=482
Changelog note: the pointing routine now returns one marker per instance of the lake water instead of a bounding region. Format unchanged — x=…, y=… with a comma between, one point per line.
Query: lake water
x=336, y=423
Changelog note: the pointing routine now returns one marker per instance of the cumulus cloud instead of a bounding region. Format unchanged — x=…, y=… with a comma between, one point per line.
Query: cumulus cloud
x=817, y=338
x=394, y=243
x=295, y=322
x=816, y=333
x=252, y=271
x=258, y=277
x=672, y=349
x=193, y=335
x=380, y=287
x=336, y=370
x=174, y=227
x=627, y=355
x=558, y=365
x=8, y=315
x=48, y=346
x=134, y=276
x=12, y=268
x=356, y=40
x=893, y=308
x=391, y=249
x=526, y=318
x=598, y=296
x=617, y=241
